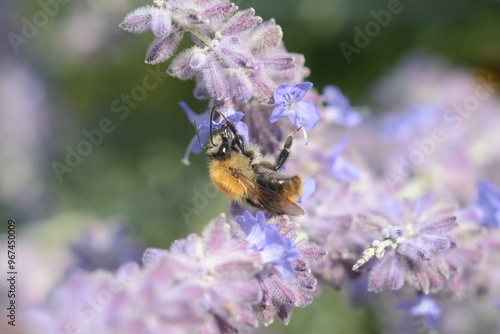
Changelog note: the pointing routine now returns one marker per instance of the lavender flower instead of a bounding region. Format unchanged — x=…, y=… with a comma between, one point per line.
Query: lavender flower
x=338, y=109
x=265, y=240
x=225, y=280
x=288, y=100
x=105, y=248
x=202, y=284
x=410, y=245
x=281, y=294
x=235, y=56
x=330, y=222
x=488, y=201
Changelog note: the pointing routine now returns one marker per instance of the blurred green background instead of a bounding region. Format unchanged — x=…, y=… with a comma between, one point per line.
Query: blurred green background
x=65, y=77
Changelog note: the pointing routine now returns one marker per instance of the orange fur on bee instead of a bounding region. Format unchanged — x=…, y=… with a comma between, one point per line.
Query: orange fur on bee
x=293, y=190
x=223, y=177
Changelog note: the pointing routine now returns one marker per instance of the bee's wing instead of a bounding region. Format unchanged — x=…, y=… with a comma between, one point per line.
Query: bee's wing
x=268, y=199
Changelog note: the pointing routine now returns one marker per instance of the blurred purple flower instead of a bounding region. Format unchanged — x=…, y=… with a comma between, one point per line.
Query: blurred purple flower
x=203, y=284
x=488, y=201
x=423, y=307
x=265, y=240
x=338, y=109
x=105, y=247
x=288, y=100
x=339, y=167
x=409, y=244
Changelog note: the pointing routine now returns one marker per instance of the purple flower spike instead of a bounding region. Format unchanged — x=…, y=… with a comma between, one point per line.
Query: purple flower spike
x=340, y=168
x=202, y=284
x=161, y=23
x=105, y=247
x=338, y=109
x=163, y=48
x=265, y=240
x=138, y=21
x=289, y=103
x=488, y=201
x=241, y=22
x=265, y=37
x=412, y=246
x=220, y=9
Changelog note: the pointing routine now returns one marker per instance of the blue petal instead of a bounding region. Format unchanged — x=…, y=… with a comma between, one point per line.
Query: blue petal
x=308, y=188
x=340, y=168
x=488, y=200
x=334, y=97
x=282, y=93
x=337, y=151
x=236, y=116
x=279, y=111
x=425, y=307
x=306, y=113
x=242, y=129
x=195, y=144
x=265, y=240
x=300, y=90
x=194, y=147
x=191, y=115
x=233, y=118
x=344, y=171
x=246, y=222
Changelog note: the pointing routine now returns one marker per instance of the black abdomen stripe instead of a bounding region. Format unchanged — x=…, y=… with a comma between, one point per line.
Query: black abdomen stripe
x=276, y=184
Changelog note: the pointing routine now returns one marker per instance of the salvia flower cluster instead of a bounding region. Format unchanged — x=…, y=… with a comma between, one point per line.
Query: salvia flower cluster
x=213, y=283
x=401, y=209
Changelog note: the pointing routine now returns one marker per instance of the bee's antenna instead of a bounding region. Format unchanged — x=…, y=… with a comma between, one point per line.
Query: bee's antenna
x=198, y=134
x=238, y=140
x=228, y=122
x=211, y=120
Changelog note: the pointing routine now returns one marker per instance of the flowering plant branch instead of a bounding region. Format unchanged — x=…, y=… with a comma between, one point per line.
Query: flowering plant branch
x=358, y=233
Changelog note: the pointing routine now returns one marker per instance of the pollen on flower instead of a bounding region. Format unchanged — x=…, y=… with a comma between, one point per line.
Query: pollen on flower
x=393, y=237
x=159, y=3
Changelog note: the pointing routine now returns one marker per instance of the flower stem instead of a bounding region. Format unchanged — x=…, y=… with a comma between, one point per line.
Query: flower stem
x=204, y=38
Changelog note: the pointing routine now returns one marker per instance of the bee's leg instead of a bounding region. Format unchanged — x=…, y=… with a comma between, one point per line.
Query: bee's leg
x=238, y=142
x=285, y=152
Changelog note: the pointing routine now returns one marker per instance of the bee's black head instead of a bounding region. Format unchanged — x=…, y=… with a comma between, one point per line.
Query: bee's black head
x=221, y=147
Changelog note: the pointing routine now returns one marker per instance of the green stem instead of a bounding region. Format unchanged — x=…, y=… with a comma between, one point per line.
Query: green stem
x=204, y=38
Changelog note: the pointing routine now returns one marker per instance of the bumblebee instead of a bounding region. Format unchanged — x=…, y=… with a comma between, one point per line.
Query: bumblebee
x=244, y=174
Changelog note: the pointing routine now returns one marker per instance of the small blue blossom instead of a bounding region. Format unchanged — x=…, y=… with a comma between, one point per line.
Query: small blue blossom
x=424, y=307
x=194, y=145
x=488, y=200
x=289, y=103
x=265, y=240
x=203, y=127
x=338, y=109
x=234, y=117
x=340, y=168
